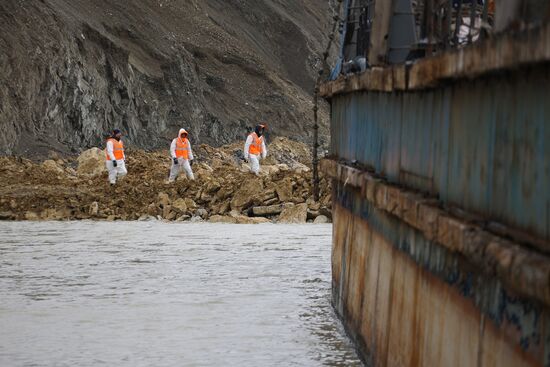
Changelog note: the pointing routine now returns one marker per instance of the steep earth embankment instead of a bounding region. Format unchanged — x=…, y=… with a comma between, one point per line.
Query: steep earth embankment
x=72, y=69
x=224, y=190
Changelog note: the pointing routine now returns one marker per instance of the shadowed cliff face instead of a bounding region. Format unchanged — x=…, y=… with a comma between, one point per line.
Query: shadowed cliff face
x=72, y=69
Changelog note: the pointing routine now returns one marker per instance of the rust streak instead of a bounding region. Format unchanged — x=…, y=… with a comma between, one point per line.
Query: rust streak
x=509, y=51
x=410, y=316
x=523, y=270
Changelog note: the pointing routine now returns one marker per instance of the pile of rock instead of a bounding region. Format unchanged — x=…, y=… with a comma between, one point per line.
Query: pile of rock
x=224, y=190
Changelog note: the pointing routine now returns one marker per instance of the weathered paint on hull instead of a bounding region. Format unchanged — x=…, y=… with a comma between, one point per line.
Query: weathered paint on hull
x=402, y=314
x=481, y=145
x=441, y=179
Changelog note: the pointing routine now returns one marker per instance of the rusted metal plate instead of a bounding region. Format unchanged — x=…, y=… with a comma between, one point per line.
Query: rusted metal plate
x=482, y=145
x=377, y=78
x=506, y=52
x=408, y=302
x=521, y=268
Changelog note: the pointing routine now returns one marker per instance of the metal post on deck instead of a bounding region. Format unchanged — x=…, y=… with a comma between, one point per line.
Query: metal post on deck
x=316, y=143
x=429, y=26
x=482, y=30
x=473, y=13
x=448, y=24
x=458, y=23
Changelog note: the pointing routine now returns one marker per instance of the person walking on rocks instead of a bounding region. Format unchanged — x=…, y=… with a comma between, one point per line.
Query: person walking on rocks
x=182, y=157
x=114, y=155
x=254, y=148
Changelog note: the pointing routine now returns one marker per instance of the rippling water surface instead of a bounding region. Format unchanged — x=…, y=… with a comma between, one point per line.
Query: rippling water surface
x=166, y=294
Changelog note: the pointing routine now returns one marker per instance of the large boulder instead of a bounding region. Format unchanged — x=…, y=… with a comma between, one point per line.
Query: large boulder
x=273, y=169
x=91, y=162
x=54, y=214
x=180, y=205
x=53, y=166
x=222, y=219
x=284, y=190
x=212, y=187
x=321, y=219
x=191, y=205
x=201, y=212
x=267, y=195
x=163, y=199
x=294, y=214
x=219, y=207
x=299, y=167
x=224, y=193
x=237, y=219
x=262, y=211
x=247, y=194
x=243, y=219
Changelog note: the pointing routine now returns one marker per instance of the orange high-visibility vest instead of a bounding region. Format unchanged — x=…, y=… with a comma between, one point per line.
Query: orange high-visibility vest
x=182, y=148
x=256, y=145
x=118, y=150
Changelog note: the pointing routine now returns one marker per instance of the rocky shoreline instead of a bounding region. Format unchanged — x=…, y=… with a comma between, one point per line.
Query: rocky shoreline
x=76, y=188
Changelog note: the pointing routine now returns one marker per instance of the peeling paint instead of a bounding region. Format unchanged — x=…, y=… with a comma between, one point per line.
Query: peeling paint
x=410, y=302
x=480, y=145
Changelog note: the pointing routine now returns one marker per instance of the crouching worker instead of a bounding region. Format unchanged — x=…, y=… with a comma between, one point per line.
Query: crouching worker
x=114, y=154
x=254, y=148
x=182, y=157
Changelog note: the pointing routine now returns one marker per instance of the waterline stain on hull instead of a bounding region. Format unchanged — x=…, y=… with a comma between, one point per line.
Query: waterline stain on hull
x=401, y=314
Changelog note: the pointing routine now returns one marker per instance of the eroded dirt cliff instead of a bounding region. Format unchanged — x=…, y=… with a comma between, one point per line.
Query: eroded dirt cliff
x=72, y=69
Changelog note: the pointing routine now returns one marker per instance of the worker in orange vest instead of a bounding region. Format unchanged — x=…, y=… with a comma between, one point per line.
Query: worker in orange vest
x=114, y=155
x=254, y=148
x=182, y=157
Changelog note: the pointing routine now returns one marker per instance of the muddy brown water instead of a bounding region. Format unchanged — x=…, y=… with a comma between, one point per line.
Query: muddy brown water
x=167, y=294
